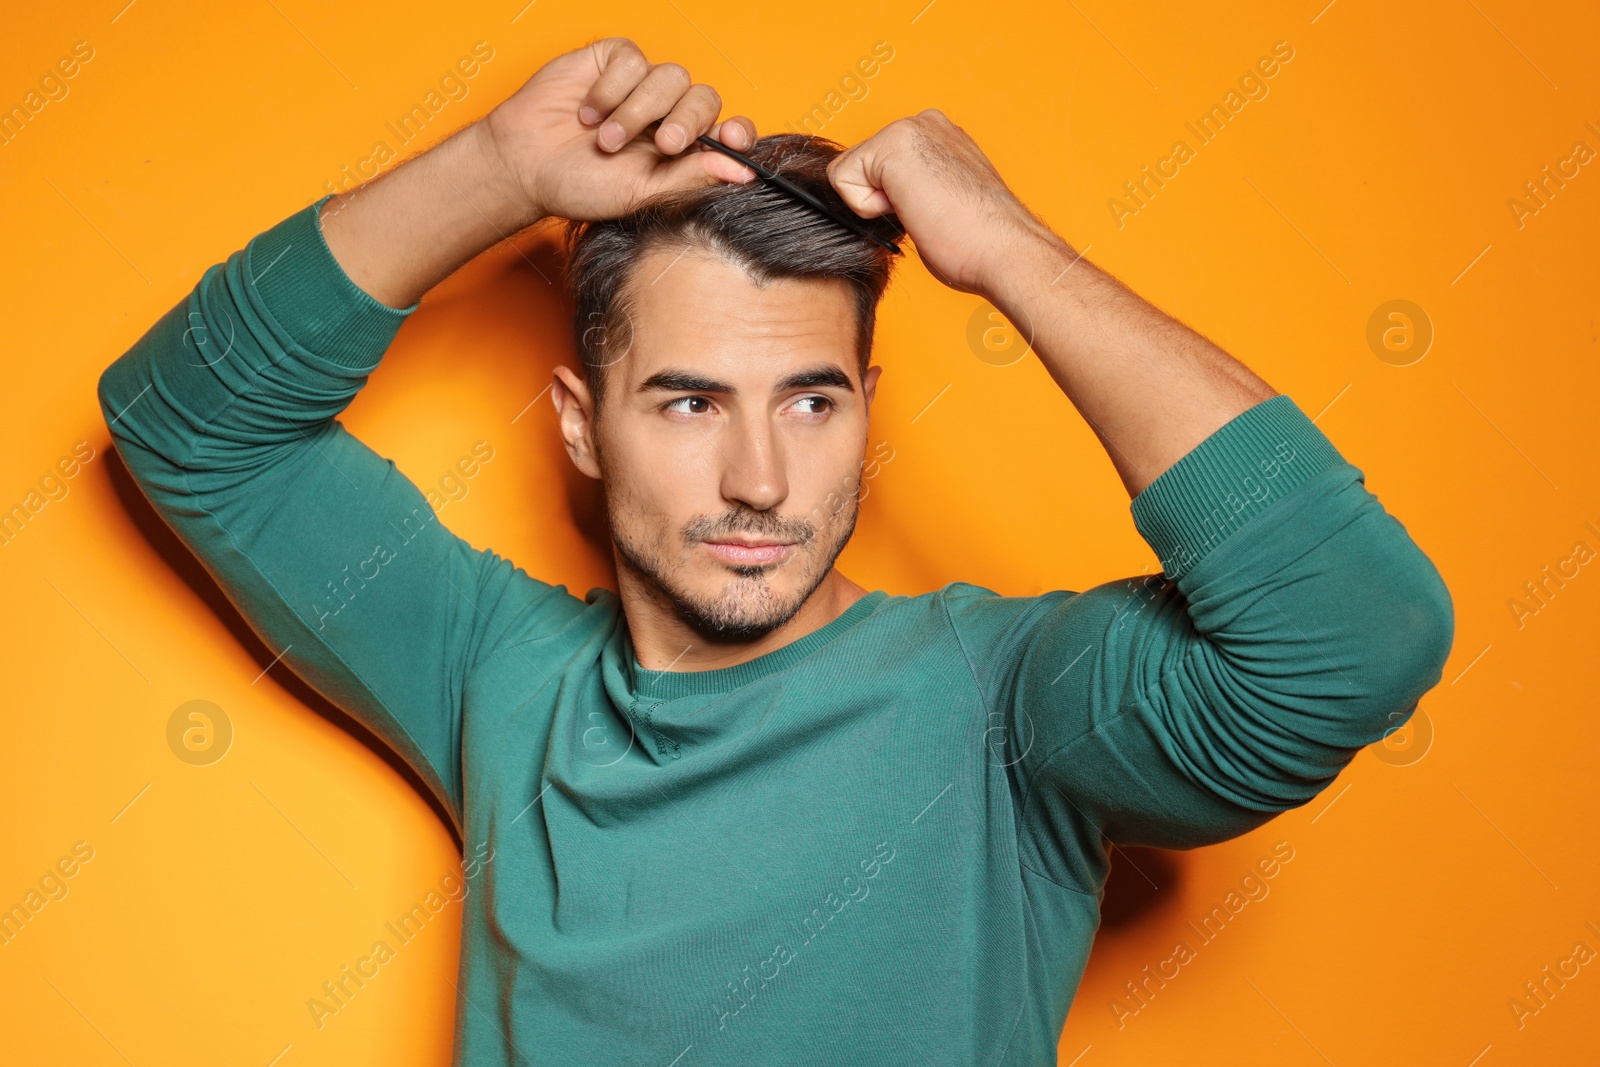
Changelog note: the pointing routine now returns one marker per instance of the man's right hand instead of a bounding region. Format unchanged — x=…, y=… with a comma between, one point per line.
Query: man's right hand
x=570, y=137
x=532, y=157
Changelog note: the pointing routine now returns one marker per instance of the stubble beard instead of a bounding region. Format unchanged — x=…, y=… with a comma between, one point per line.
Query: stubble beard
x=747, y=606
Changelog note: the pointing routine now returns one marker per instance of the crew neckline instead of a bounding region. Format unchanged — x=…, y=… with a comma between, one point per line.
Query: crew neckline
x=669, y=685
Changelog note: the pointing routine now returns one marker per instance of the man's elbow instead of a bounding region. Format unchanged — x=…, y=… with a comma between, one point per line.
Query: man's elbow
x=111, y=392
x=1411, y=642
x=102, y=392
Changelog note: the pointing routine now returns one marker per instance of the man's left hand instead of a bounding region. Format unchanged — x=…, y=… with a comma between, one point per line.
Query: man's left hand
x=969, y=228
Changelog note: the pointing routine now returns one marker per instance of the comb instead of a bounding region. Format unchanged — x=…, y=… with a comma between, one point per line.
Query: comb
x=847, y=219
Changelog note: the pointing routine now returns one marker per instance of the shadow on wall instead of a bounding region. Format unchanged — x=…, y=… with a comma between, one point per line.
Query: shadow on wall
x=509, y=308
x=527, y=286
x=1140, y=881
x=519, y=290
x=167, y=545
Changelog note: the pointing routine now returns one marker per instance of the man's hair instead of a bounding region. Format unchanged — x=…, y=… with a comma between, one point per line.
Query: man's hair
x=760, y=228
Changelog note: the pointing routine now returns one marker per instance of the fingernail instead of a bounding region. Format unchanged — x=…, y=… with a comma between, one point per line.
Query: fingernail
x=588, y=115
x=611, y=134
x=677, y=136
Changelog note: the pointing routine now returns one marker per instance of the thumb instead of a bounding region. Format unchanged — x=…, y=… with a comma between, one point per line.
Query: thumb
x=701, y=166
x=857, y=176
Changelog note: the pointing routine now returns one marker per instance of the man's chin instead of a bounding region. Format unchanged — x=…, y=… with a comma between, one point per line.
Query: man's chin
x=738, y=603
x=730, y=603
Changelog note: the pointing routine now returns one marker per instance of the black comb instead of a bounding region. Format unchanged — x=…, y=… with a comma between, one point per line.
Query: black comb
x=847, y=219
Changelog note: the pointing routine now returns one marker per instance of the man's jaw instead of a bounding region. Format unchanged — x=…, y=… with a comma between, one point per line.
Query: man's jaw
x=736, y=601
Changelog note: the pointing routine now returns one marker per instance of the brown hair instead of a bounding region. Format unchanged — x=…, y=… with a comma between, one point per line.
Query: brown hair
x=762, y=229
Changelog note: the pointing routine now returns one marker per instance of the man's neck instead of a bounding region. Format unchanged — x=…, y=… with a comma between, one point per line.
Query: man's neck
x=662, y=640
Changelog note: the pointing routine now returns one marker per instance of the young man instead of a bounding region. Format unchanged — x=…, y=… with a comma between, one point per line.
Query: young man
x=744, y=810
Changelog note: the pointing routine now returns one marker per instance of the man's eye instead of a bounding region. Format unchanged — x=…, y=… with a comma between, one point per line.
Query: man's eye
x=674, y=405
x=826, y=404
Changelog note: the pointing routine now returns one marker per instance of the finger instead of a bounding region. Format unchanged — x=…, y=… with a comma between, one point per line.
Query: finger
x=856, y=174
x=693, y=170
x=738, y=133
x=622, y=67
x=650, y=100
x=691, y=116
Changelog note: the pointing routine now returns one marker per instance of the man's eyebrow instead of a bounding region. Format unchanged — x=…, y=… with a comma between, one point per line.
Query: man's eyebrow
x=819, y=375
x=676, y=380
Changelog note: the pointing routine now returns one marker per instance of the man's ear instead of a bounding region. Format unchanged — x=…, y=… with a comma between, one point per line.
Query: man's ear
x=570, y=394
x=869, y=384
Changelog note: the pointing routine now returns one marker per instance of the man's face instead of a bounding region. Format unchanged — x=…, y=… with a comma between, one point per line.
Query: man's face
x=731, y=440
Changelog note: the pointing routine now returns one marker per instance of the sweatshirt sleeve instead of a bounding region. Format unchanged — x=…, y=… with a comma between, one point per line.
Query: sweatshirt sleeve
x=1294, y=623
x=224, y=412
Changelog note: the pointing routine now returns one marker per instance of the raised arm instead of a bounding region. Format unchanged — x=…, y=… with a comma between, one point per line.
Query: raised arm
x=573, y=142
x=225, y=411
x=1295, y=621
x=1151, y=388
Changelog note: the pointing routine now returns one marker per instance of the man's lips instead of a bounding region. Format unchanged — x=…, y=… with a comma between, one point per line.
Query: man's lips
x=747, y=553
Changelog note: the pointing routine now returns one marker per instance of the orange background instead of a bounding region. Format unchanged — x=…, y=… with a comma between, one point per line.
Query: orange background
x=1427, y=885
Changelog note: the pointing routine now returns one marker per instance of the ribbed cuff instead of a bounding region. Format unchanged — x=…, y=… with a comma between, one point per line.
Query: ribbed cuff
x=1228, y=479
x=313, y=299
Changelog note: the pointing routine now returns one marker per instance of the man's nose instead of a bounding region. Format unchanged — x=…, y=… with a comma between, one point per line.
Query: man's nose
x=753, y=468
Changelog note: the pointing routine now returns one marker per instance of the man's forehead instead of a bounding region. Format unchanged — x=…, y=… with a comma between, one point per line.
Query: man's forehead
x=700, y=312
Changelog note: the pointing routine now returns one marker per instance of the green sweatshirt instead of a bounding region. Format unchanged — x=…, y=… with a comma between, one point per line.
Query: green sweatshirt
x=885, y=842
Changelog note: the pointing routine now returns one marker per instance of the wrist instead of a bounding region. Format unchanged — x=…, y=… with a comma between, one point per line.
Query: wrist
x=1033, y=260
x=406, y=231
x=501, y=177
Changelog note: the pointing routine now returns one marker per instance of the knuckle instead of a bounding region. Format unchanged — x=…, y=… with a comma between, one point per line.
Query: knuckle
x=676, y=72
x=632, y=64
